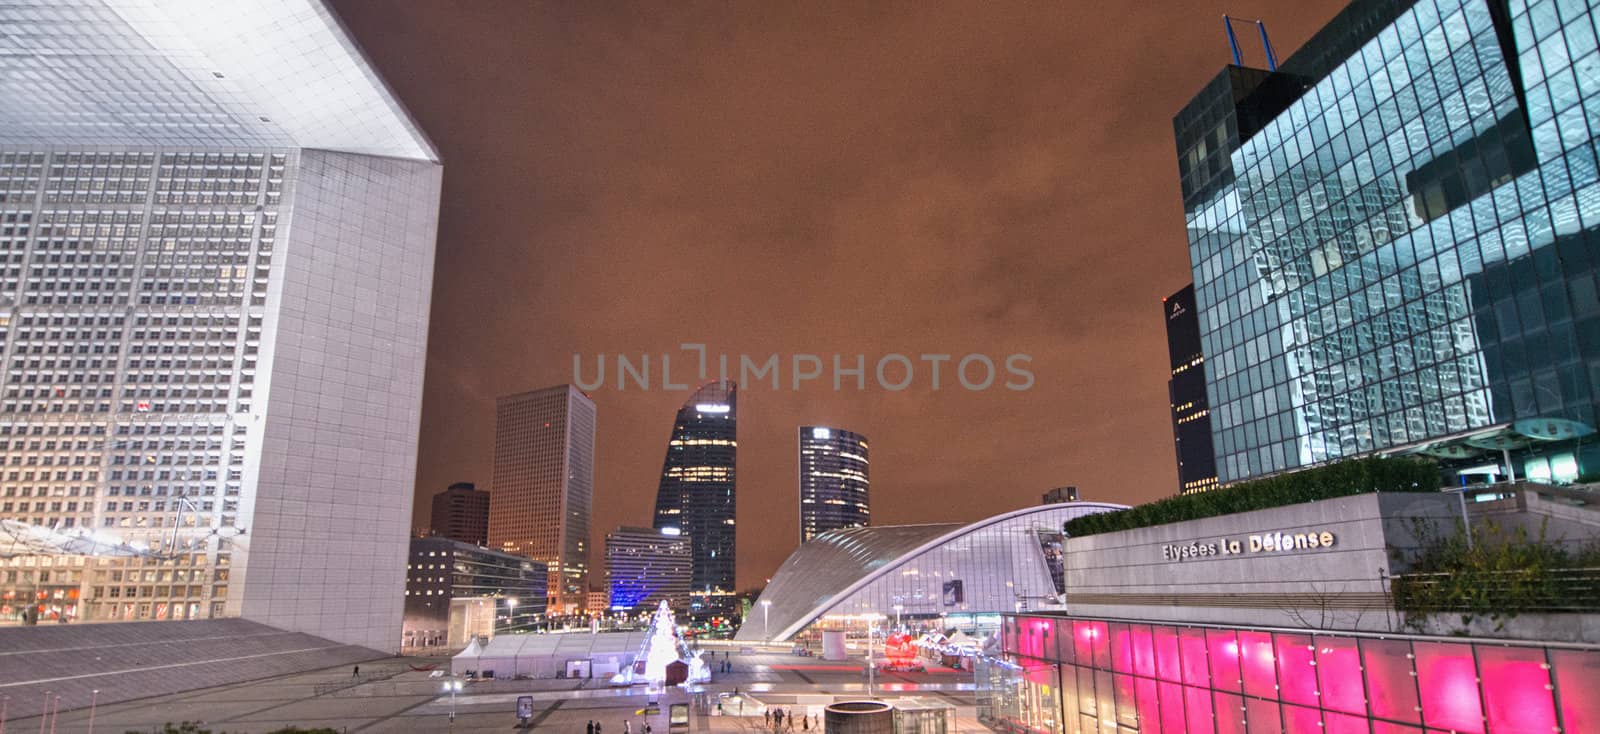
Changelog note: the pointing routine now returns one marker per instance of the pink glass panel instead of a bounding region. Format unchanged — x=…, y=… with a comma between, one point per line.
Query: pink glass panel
x=1149, y=707
x=1172, y=707
x=1223, y=650
x=1262, y=716
x=1230, y=712
x=1516, y=689
x=1344, y=723
x=1083, y=642
x=1035, y=638
x=1390, y=684
x=1297, y=677
x=1577, y=676
x=1197, y=704
x=1101, y=638
x=1192, y=644
x=1167, y=654
x=1339, y=674
x=1301, y=720
x=1144, y=656
x=1121, y=649
x=1064, y=642
x=1257, y=660
x=1384, y=727
x=1449, y=684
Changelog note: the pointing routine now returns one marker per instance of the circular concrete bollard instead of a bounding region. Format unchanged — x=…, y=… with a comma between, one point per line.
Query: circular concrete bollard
x=858, y=717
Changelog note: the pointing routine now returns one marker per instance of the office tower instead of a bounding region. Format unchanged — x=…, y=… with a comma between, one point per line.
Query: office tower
x=833, y=481
x=696, y=494
x=461, y=512
x=544, y=485
x=645, y=566
x=1059, y=495
x=457, y=590
x=1186, y=391
x=217, y=227
x=1393, y=240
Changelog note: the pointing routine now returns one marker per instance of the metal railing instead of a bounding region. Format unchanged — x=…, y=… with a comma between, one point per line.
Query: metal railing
x=1517, y=591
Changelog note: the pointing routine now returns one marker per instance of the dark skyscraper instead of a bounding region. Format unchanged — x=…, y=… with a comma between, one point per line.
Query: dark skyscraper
x=461, y=513
x=697, y=491
x=833, y=481
x=1191, y=419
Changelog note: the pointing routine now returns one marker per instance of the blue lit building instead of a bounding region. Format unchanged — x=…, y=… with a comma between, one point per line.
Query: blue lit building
x=696, y=496
x=1393, y=238
x=645, y=567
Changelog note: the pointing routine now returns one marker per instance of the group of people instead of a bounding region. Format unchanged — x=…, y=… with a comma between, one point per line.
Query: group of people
x=779, y=720
x=627, y=727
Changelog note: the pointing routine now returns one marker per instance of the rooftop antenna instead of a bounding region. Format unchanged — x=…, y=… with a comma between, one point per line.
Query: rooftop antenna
x=1266, y=43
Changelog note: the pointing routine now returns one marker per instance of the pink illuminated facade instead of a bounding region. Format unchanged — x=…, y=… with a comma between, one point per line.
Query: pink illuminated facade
x=1072, y=675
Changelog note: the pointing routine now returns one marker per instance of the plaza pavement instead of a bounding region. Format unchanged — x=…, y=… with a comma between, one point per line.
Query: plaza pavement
x=391, y=697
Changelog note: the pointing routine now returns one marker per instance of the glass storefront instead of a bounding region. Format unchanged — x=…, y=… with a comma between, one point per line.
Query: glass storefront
x=1073, y=676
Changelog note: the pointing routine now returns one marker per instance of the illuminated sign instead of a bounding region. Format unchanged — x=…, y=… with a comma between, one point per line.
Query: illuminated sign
x=1277, y=542
x=671, y=531
x=712, y=408
x=821, y=433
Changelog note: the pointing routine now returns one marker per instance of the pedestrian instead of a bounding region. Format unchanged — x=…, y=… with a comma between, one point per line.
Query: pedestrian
x=596, y=727
x=805, y=724
x=356, y=673
x=646, y=727
x=768, y=716
x=777, y=716
x=590, y=728
x=627, y=726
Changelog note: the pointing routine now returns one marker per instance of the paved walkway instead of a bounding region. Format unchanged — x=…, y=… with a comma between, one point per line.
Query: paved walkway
x=411, y=701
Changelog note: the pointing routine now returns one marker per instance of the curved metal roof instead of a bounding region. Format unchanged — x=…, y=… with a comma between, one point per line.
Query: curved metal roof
x=835, y=564
x=819, y=570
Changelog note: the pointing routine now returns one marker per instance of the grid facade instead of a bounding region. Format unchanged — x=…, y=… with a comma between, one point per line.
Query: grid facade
x=1402, y=255
x=213, y=314
x=1186, y=393
x=441, y=570
x=645, y=567
x=834, y=481
x=696, y=495
x=543, y=487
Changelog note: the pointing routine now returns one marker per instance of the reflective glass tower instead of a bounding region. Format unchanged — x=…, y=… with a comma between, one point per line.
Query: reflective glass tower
x=833, y=481
x=1393, y=238
x=696, y=495
x=645, y=567
x=543, y=487
x=216, y=258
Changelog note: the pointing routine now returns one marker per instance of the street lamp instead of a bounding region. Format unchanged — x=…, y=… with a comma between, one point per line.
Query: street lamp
x=897, y=609
x=93, y=699
x=872, y=626
x=511, y=612
x=766, y=610
x=452, y=687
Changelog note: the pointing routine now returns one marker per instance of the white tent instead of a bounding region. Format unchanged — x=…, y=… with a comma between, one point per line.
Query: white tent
x=466, y=660
x=549, y=655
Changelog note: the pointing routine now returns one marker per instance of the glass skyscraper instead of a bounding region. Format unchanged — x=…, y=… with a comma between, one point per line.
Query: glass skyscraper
x=1186, y=393
x=1394, y=241
x=697, y=493
x=645, y=567
x=543, y=490
x=216, y=258
x=833, y=481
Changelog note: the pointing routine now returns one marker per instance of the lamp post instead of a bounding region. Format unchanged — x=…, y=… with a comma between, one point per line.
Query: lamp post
x=46, y=716
x=766, y=611
x=511, y=612
x=452, y=686
x=897, y=609
x=872, y=625
x=94, y=698
x=5, y=703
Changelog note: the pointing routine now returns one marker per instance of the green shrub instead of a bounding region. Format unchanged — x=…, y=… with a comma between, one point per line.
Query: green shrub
x=1345, y=478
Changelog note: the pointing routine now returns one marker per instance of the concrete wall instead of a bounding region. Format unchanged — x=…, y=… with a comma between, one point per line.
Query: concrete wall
x=1128, y=575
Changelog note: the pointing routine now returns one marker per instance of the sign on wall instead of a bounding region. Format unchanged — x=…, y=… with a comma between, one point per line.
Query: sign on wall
x=1277, y=542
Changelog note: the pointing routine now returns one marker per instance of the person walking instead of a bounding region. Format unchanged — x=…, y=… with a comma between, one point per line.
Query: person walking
x=356, y=673
x=627, y=726
x=768, y=716
x=590, y=728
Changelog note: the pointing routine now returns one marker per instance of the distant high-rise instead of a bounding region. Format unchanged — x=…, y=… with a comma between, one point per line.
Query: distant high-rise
x=1191, y=416
x=461, y=512
x=544, y=484
x=1059, y=495
x=218, y=228
x=833, y=481
x=696, y=495
x=645, y=567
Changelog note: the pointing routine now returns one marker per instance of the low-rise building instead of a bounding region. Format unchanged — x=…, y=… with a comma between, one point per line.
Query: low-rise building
x=456, y=591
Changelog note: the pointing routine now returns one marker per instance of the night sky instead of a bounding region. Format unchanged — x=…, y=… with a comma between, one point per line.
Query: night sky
x=821, y=178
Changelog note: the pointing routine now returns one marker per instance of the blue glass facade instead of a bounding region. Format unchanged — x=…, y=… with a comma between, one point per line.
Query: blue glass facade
x=1402, y=257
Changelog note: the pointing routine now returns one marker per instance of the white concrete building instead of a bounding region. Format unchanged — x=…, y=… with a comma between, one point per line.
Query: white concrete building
x=216, y=256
